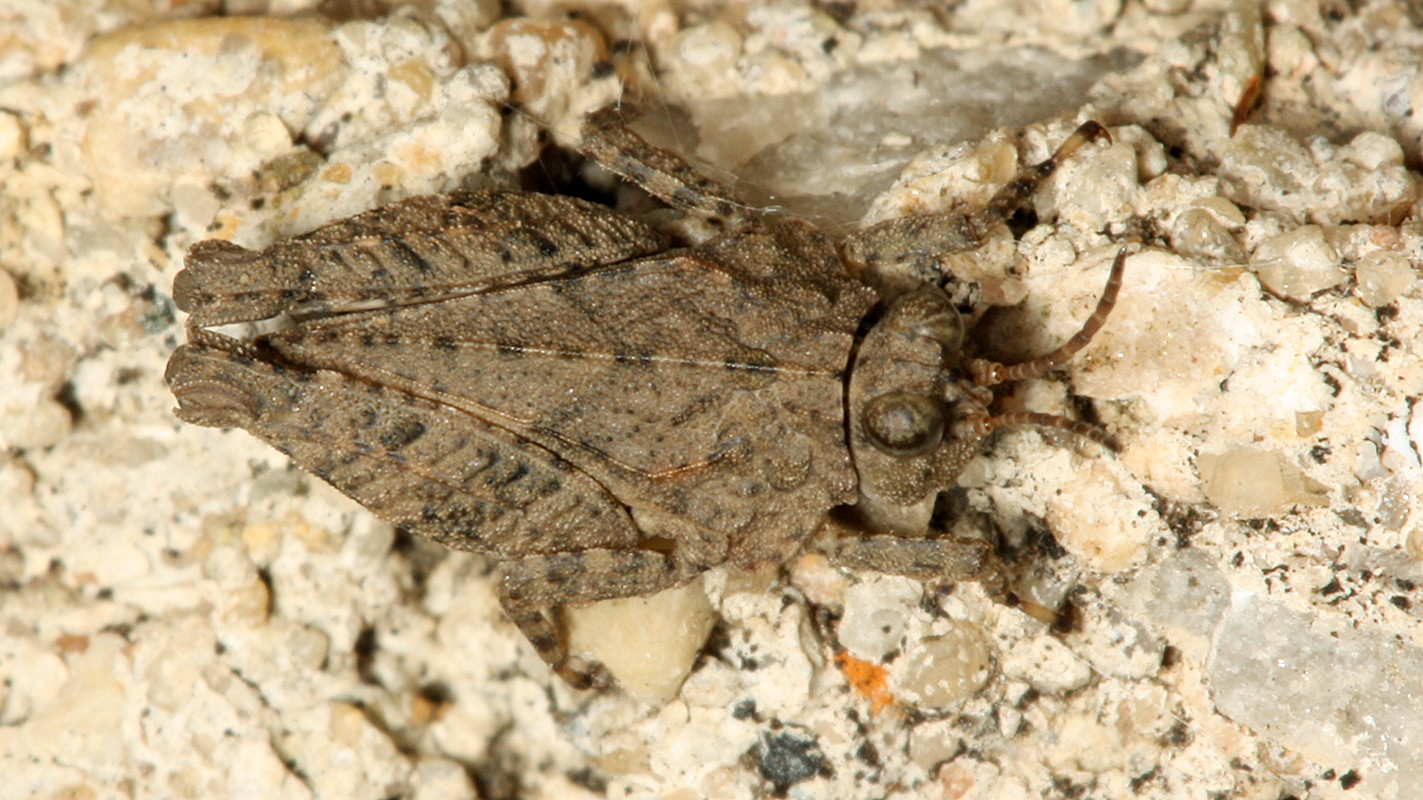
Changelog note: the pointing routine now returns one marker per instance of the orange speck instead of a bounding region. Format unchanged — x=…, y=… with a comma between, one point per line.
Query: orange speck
x=69, y=643
x=868, y=679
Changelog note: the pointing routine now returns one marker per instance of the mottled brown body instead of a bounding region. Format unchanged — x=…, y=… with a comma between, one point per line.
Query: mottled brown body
x=604, y=411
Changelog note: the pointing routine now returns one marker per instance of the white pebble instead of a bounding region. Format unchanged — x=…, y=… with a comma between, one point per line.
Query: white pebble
x=1222, y=209
x=265, y=135
x=36, y=427
x=1251, y=482
x=648, y=643
x=1046, y=664
x=1197, y=233
x=1298, y=263
x=1382, y=276
x=1372, y=151
x=876, y=613
x=442, y=779
x=1167, y=6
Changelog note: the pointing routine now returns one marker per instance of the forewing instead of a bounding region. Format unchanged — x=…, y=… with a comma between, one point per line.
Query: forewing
x=433, y=469
x=419, y=250
x=652, y=365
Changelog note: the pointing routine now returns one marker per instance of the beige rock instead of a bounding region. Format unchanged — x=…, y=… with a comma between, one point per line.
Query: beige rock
x=648, y=643
x=944, y=670
x=1252, y=482
x=178, y=99
x=1298, y=263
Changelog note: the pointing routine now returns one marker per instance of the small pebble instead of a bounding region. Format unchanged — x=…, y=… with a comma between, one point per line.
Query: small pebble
x=35, y=428
x=1382, y=278
x=648, y=643
x=1250, y=482
x=1298, y=263
x=946, y=669
x=1197, y=233
x=876, y=613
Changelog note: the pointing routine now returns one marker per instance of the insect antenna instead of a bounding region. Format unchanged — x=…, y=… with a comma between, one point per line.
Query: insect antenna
x=1084, y=429
x=1013, y=195
x=992, y=373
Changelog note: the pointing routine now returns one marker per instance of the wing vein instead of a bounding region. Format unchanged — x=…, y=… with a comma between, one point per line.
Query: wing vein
x=646, y=359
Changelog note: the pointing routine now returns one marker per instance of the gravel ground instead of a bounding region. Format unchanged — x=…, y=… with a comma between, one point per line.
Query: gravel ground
x=183, y=614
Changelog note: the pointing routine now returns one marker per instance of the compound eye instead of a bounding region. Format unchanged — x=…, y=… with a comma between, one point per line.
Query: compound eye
x=904, y=424
x=928, y=312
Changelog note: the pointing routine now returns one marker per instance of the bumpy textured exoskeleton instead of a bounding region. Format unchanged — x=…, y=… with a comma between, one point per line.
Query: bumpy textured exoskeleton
x=605, y=412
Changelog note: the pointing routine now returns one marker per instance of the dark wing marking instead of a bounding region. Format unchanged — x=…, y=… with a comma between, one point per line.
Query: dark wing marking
x=436, y=470
x=419, y=250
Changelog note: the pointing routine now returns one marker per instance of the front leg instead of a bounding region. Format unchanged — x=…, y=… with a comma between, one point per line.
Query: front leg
x=914, y=243
x=951, y=558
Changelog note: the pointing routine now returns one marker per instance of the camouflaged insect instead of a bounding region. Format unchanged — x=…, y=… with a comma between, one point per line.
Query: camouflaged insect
x=604, y=410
